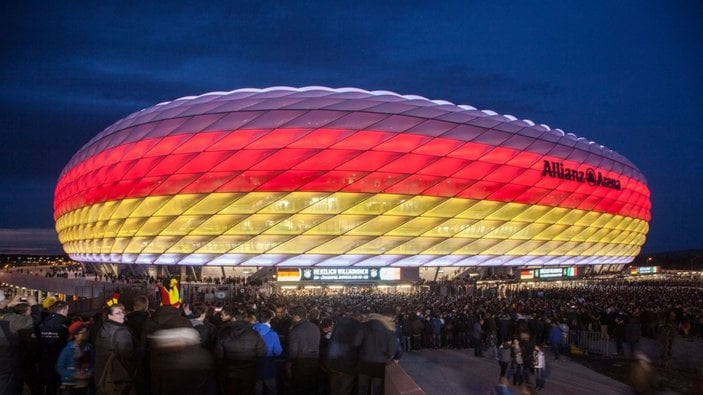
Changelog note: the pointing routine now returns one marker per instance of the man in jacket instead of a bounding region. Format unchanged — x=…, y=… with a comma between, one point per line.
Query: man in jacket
x=266, y=369
x=114, y=351
x=15, y=316
x=379, y=346
x=136, y=320
x=237, y=351
x=343, y=354
x=167, y=317
x=303, y=353
x=53, y=337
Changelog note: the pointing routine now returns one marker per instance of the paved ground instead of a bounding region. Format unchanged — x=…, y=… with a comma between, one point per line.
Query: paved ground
x=455, y=372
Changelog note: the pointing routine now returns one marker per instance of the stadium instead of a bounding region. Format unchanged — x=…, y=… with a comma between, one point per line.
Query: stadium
x=344, y=178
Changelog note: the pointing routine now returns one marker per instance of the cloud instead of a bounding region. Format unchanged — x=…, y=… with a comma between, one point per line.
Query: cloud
x=29, y=241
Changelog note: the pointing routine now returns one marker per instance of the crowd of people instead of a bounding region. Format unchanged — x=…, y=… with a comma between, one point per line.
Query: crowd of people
x=312, y=341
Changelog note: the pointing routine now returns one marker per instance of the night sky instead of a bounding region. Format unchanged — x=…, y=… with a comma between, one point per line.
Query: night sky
x=627, y=75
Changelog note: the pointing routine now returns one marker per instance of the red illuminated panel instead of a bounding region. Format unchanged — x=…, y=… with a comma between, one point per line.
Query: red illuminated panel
x=321, y=138
x=369, y=161
x=199, y=142
x=402, y=143
x=238, y=140
x=391, y=167
x=363, y=140
x=408, y=163
x=242, y=160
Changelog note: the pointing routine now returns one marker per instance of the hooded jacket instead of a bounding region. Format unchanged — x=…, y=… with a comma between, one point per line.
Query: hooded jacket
x=239, y=346
x=343, y=349
x=273, y=343
x=114, y=338
x=266, y=367
x=379, y=344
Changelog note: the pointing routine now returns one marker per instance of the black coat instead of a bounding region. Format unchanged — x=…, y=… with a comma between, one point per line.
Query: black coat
x=379, y=345
x=343, y=348
x=161, y=361
x=53, y=336
x=114, y=338
x=236, y=340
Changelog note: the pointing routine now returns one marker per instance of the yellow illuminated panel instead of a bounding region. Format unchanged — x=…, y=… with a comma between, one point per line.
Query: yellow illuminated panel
x=339, y=224
x=297, y=224
x=416, y=226
x=256, y=224
x=377, y=204
x=343, y=223
x=379, y=245
x=252, y=202
x=336, y=203
x=147, y=206
x=415, y=206
x=451, y=207
x=213, y=203
x=377, y=226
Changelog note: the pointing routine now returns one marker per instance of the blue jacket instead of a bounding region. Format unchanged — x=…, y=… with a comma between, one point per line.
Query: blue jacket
x=554, y=336
x=273, y=343
x=266, y=367
x=70, y=362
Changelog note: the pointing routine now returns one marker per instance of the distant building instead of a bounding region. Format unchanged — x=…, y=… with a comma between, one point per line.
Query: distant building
x=345, y=177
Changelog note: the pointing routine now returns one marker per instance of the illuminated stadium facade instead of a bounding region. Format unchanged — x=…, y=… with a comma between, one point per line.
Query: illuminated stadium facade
x=345, y=177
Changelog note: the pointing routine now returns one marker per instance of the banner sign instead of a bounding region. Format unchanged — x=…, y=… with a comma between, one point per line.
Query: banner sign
x=339, y=274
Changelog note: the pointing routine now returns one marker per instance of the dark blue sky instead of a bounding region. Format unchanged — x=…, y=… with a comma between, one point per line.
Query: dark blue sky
x=627, y=75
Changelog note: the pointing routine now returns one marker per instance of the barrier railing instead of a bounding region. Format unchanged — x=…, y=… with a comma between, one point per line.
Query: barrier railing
x=589, y=342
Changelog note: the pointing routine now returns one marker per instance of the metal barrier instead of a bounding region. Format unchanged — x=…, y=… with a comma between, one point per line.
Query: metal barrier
x=589, y=342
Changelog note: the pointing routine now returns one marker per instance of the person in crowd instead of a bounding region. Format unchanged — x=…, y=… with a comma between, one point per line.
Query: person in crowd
x=417, y=328
x=15, y=316
x=184, y=366
x=76, y=362
x=303, y=353
x=555, y=339
x=407, y=332
x=266, y=366
x=114, y=354
x=504, y=358
x=326, y=327
x=517, y=362
x=166, y=317
x=540, y=362
x=642, y=378
x=633, y=331
x=237, y=351
x=136, y=320
x=502, y=387
x=282, y=323
x=53, y=337
x=206, y=330
x=667, y=334
x=477, y=335
x=378, y=347
x=342, y=354
x=619, y=326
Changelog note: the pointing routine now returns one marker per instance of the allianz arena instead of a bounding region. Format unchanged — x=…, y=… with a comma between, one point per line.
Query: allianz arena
x=345, y=177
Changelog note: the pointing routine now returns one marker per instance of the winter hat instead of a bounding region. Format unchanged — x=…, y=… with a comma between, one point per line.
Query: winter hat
x=48, y=302
x=75, y=327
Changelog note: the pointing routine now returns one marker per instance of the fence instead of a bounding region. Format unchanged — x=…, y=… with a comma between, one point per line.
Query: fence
x=589, y=342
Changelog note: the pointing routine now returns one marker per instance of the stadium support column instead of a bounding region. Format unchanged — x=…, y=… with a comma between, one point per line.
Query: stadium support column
x=195, y=273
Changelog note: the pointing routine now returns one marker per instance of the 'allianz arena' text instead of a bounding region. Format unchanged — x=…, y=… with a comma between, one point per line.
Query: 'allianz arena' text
x=345, y=177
